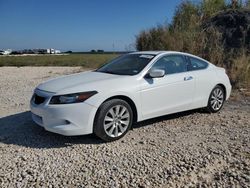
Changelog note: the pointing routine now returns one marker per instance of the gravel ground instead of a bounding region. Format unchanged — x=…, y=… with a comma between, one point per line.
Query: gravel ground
x=193, y=148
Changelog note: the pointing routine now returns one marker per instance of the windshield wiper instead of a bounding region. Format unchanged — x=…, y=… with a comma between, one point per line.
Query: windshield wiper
x=109, y=72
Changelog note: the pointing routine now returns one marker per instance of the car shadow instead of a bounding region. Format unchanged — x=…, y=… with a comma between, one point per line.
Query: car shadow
x=19, y=129
x=166, y=118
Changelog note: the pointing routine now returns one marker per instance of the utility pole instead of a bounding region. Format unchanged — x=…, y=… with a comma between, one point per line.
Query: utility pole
x=113, y=45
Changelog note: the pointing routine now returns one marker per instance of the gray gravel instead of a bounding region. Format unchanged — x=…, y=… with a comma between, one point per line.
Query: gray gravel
x=193, y=148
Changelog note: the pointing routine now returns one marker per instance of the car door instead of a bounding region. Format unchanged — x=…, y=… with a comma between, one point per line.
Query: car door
x=171, y=93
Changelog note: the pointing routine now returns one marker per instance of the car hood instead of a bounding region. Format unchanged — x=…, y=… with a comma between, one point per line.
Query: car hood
x=70, y=81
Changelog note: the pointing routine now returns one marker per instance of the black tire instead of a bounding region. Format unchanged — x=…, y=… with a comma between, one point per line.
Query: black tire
x=104, y=111
x=211, y=106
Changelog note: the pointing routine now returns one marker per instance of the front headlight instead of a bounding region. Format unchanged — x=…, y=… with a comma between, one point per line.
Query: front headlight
x=72, y=98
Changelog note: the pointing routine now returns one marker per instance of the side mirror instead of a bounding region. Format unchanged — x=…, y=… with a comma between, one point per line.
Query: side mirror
x=156, y=73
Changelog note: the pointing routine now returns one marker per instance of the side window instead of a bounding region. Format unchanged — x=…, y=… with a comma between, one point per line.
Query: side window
x=172, y=64
x=197, y=64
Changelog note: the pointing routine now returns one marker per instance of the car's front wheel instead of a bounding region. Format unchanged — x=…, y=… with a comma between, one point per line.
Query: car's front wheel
x=113, y=120
x=216, y=99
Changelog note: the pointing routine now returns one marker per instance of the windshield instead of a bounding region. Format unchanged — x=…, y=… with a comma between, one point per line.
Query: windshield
x=129, y=64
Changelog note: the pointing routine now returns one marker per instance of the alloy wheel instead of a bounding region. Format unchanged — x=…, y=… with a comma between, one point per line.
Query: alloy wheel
x=116, y=121
x=217, y=99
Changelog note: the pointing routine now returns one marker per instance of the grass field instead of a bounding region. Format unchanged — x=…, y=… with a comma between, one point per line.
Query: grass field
x=84, y=60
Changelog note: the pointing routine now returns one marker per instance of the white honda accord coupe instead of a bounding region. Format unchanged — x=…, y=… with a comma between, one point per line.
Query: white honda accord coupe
x=131, y=88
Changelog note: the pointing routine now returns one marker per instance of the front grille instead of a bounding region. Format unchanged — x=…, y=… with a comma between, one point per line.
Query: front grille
x=38, y=99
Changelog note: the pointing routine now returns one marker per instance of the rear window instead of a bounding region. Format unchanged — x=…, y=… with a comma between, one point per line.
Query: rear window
x=197, y=64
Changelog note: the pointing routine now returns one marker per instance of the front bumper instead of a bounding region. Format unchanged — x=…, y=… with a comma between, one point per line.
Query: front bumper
x=229, y=90
x=64, y=119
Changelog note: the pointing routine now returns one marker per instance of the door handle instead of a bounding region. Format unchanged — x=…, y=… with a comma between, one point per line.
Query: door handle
x=188, y=78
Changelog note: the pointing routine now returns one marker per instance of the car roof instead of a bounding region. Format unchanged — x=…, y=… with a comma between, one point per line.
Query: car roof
x=158, y=52
x=148, y=52
x=167, y=52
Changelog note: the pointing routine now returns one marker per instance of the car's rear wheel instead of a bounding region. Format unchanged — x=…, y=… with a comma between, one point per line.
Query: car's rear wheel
x=113, y=120
x=216, y=99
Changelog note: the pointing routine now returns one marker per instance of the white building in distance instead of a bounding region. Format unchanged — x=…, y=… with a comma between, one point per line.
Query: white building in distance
x=53, y=51
x=6, y=52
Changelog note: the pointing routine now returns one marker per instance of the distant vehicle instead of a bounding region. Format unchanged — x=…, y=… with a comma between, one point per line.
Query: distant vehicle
x=5, y=52
x=53, y=51
x=131, y=88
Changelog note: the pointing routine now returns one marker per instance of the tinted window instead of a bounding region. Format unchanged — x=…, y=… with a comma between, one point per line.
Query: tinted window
x=172, y=64
x=130, y=64
x=197, y=64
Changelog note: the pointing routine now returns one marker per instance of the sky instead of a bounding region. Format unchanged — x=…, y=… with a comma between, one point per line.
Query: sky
x=79, y=25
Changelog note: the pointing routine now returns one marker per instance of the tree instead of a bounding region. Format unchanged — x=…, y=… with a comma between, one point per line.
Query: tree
x=186, y=15
x=210, y=7
x=68, y=52
x=248, y=4
x=100, y=51
x=235, y=4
